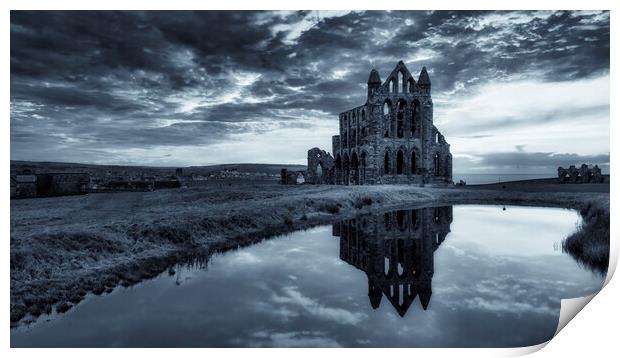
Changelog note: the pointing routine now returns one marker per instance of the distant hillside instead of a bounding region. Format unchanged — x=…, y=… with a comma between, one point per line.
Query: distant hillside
x=93, y=169
x=245, y=167
x=42, y=167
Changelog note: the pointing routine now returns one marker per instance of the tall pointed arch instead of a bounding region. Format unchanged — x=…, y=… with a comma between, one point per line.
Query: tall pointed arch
x=437, y=164
x=400, y=162
x=363, y=166
x=401, y=106
x=355, y=169
x=414, y=161
x=387, y=118
x=415, y=120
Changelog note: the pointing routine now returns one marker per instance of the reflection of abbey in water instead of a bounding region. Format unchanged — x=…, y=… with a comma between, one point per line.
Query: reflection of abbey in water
x=395, y=250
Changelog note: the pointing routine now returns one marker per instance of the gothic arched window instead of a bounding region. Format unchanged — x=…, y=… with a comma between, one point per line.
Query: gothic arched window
x=386, y=163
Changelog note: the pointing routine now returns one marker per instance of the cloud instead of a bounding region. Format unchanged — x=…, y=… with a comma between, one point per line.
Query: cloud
x=292, y=339
x=493, y=125
x=521, y=162
x=507, y=104
x=148, y=87
x=305, y=21
x=338, y=315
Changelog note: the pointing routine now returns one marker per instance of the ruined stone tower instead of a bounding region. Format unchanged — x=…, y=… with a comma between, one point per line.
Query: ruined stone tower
x=391, y=138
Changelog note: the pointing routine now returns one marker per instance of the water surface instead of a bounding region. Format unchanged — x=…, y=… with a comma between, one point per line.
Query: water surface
x=462, y=276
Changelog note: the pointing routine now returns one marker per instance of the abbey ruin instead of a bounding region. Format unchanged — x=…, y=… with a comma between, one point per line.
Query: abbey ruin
x=396, y=252
x=390, y=139
x=583, y=175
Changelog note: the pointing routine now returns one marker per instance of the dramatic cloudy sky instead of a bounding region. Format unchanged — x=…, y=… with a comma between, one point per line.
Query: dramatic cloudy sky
x=513, y=91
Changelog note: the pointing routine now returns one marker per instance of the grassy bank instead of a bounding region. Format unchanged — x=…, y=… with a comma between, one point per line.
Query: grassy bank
x=589, y=245
x=65, y=248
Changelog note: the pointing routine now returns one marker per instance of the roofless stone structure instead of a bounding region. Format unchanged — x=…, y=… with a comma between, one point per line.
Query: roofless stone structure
x=389, y=139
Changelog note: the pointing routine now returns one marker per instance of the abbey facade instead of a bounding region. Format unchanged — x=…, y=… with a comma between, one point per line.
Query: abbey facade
x=390, y=139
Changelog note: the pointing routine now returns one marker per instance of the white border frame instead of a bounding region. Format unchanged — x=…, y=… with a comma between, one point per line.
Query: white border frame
x=592, y=332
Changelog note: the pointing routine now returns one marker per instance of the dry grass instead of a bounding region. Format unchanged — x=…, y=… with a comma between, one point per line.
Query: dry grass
x=589, y=245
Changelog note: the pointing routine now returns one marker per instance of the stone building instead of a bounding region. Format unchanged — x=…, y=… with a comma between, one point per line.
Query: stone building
x=396, y=251
x=581, y=175
x=59, y=184
x=292, y=177
x=25, y=185
x=391, y=138
x=30, y=185
x=321, y=168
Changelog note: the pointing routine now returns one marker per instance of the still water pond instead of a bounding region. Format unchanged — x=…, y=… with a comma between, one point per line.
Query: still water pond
x=461, y=276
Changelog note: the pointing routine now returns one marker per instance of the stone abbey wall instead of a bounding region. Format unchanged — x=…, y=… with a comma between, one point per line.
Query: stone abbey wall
x=321, y=168
x=391, y=138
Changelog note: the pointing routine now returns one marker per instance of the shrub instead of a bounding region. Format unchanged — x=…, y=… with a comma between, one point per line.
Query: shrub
x=331, y=208
x=361, y=202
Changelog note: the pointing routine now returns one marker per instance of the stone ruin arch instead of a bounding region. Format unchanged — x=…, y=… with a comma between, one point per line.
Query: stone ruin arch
x=581, y=175
x=321, y=167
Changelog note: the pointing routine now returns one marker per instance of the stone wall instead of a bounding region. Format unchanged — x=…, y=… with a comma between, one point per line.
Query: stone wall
x=56, y=184
x=292, y=177
x=25, y=186
x=321, y=168
x=584, y=174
